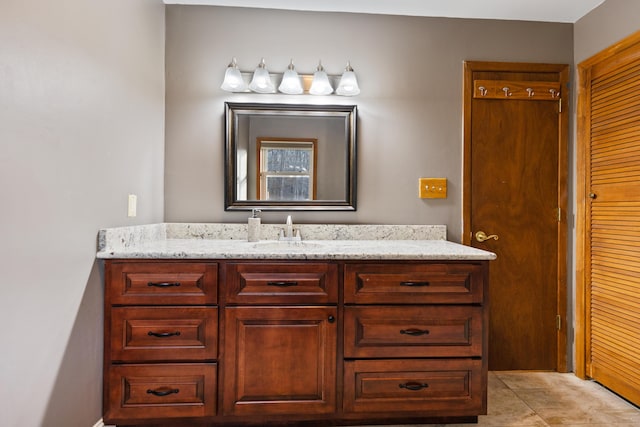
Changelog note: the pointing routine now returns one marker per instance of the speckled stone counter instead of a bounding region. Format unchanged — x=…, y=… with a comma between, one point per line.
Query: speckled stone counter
x=339, y=242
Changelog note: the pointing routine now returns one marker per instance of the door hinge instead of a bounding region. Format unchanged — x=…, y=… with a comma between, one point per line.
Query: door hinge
x=558, y=322
x=559, y=105
x=559, y=214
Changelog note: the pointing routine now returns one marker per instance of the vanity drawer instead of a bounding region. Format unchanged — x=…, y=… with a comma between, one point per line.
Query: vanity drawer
x=426, y=331
x=413, y=283
x=162, y=282
x=161, y=391
x=164, y=333
x=281, y=283
x=429, y=387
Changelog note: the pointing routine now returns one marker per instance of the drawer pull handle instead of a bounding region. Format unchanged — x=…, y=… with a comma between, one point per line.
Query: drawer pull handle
x=282, y=284
x=414, y=332
x=163, y=334
x=164, y=392
x=414, y=283
x=414, y=386
x=163, y=284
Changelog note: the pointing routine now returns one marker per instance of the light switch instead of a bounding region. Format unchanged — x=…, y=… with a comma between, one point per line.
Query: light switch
x=432, y=188
x=132, y=205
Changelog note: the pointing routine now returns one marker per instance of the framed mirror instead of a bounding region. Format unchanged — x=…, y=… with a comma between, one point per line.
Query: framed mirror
x=290, y=157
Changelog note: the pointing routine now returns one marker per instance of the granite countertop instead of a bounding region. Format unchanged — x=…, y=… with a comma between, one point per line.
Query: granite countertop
x=327, y=242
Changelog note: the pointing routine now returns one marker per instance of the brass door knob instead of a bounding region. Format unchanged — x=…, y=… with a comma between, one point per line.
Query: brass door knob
x=481, y=236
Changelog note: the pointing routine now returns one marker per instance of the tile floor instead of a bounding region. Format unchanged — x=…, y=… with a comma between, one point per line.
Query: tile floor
x=551, y=399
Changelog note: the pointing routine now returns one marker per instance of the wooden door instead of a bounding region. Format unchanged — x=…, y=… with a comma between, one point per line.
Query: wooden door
x=280, y=360
x=515, y=192
x=608, y=277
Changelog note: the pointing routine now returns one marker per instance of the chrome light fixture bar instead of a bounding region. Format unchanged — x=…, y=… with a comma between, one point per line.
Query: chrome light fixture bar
x=290, y=82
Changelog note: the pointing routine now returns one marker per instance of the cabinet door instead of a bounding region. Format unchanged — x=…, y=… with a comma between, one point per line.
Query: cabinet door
x=280, y=360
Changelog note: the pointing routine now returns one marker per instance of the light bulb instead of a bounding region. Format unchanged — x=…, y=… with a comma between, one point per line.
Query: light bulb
x=320, y=84
x=348, y=83
x=261, y=81
x=290, y=81
x=233, y=81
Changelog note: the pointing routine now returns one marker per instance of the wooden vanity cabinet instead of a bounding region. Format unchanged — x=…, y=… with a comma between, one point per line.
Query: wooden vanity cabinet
x=415, y=339
x=244, y=342
x=281, y=335
x=161, y=340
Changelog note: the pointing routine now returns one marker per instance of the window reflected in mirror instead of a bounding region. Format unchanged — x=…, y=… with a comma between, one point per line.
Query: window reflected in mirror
x=287, y=168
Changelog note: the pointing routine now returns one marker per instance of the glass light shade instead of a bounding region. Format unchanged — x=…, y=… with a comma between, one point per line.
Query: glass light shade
x=261, y=81
x=233, y=81
x=348, y=85
x=290, y=82
x=320, y=84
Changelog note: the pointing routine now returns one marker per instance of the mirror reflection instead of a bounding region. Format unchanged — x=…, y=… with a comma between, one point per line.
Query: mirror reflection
x=286, y=156
x=286, y=169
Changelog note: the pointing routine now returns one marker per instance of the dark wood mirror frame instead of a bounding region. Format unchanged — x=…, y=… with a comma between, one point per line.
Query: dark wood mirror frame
x=236, y=136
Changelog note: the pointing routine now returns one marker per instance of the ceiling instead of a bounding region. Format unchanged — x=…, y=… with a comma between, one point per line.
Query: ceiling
x=521, y=10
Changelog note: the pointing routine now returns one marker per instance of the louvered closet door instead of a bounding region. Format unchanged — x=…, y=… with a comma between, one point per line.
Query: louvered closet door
x=613, y=294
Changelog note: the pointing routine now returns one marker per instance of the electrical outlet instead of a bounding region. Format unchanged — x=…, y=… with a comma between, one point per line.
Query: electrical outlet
x=432, y=188
x=132, y=205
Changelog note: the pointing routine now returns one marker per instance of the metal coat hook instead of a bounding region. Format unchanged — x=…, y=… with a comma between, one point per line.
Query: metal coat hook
x=554, y=93
x=530, y=92
x=483, y=91
x=506, y=91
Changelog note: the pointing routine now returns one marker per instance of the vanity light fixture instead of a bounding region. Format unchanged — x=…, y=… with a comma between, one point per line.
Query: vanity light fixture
x=233, y=81
x=320, y=84
x=291, y=81
x=261, y=81
x=348, y=85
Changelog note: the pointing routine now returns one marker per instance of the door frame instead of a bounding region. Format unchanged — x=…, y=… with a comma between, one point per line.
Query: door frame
x=562, y=72
x=583, y=229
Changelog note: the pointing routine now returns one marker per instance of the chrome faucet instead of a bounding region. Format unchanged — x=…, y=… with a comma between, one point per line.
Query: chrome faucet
x=287, y=233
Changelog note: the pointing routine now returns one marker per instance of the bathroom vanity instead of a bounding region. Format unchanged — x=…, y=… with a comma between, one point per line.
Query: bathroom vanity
x=203, y=330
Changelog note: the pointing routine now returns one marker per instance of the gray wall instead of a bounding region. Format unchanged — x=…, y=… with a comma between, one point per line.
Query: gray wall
x=604, y=26
x=81, y=126
x=410, y=108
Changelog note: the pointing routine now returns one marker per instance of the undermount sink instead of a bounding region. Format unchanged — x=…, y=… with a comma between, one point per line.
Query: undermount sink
x=287, y=245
